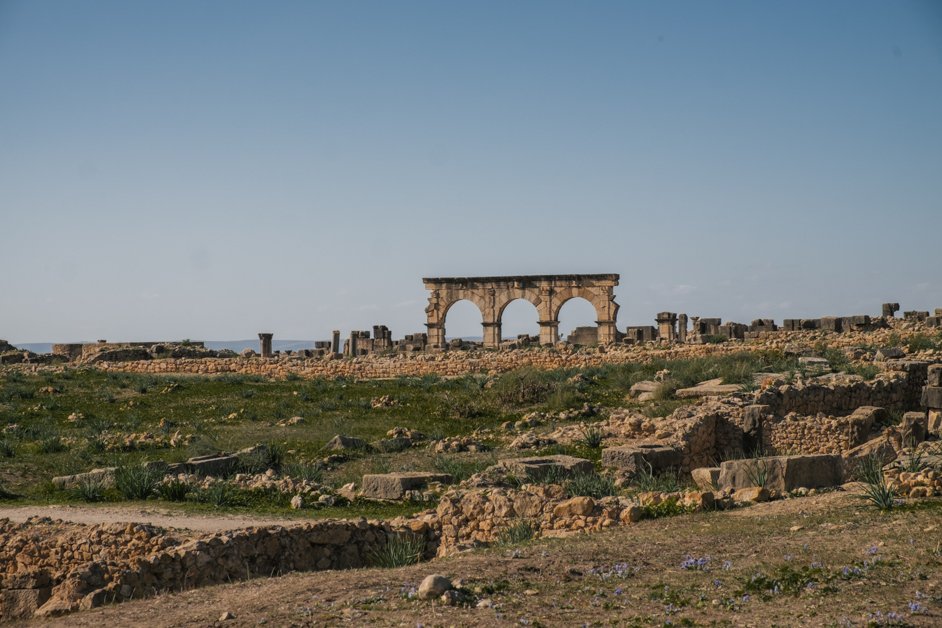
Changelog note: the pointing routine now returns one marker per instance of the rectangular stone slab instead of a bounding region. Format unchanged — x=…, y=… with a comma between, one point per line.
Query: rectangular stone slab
x=642, y=457
x=932, y=397
x=395, y=485
x=213, y=465
x=784, y=473
x=538, y=468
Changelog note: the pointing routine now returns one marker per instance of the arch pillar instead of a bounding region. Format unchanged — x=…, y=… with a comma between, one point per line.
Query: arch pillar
x=549, y=332
x=491, y=334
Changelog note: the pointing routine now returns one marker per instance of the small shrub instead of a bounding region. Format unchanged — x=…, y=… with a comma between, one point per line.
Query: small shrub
x=592, y=437
x=914, y=462
x=5, y=494
x=870, y=470
x=591, y=485
x=878, y=493
x=312, y=472
x=218, y=494
x=758, y=471
x=271, y=456
x=520, y=532
x=51, y=445
x=524, y=387
x=90, y=490
x=174, y=490
x=922, y=342
x=461, y=468
x=136, y=481
x=6, y=449
x=399, y=552
x=665, y=482
x=666, y=508
x=786, y=579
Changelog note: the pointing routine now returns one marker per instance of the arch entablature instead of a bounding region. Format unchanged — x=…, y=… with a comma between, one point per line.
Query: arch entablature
x=547, y=293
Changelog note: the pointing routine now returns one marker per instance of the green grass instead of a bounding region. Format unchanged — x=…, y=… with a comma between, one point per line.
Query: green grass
x=399, y=552
x=518, y=533
x=215, y=413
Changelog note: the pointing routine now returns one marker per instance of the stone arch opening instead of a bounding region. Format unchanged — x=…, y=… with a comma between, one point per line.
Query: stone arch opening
x=546, y=292
x=519, y=316
x=577, y=321
x=462, y=319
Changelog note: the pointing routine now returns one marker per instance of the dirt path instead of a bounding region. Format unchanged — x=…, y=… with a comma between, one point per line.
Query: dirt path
x=163, y=517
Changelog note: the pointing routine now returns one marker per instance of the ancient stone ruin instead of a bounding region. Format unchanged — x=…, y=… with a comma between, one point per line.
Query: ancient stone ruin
x=547, y=293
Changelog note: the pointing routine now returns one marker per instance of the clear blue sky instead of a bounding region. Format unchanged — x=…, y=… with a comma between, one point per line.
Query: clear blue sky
x=214, y=169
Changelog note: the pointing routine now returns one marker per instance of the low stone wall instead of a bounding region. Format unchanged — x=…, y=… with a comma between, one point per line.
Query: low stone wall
x=469, y=517
x=52, y=567
x=896, y=389
x=821, y=434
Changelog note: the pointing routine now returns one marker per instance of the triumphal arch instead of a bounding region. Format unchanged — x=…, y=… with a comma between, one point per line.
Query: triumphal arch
x=547, y=293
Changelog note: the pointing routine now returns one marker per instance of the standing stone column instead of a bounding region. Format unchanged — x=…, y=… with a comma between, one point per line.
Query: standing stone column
x=682, y=327
x=352, y=345
x=890, y=310
x=335, y=342
x=265, y=344
x=549, y=332
x=492, y=331
x=607, y=333
x=436, y=335
x=666, y=322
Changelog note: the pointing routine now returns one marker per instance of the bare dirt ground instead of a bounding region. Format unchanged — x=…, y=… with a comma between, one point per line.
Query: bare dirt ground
x=163, y=517
x=828, y=560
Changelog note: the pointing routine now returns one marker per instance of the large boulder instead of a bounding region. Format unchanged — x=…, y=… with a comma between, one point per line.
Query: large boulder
x=783, y=473
x=394, y=485
x=540, y=468
x=643, y=456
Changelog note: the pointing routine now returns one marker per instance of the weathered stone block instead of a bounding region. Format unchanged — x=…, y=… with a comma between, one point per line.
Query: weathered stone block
x=880, y=448
x=706, y=478
x=932, y=397
x=341, y=443
x=783, y=473
x=395, y=485
x=213, y=464
x=935, y=422
x=642, y=457
x=913, y=428
x=934, y=375
x=540, y=468
x=22, y=603
x=104, y=477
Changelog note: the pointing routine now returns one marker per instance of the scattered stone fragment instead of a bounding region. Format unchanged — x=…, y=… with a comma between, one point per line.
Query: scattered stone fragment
x=433, y=586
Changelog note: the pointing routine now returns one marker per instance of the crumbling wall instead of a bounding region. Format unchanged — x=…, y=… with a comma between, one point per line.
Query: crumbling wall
x=820, y=434
x=52, y=567
x=897, y=389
